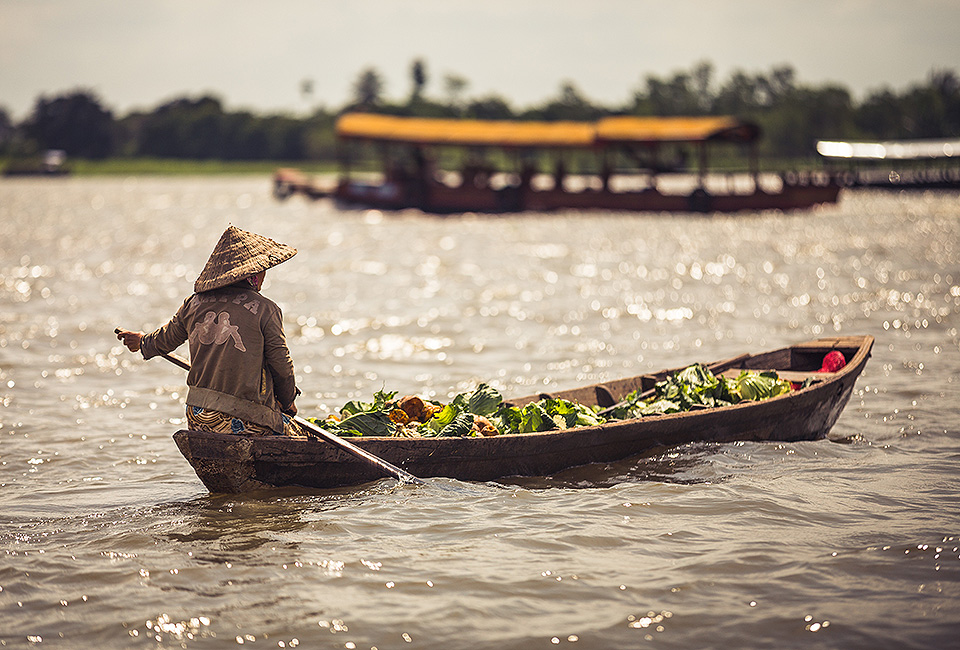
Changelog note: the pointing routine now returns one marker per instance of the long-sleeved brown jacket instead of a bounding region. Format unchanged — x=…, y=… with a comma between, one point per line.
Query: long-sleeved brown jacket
x=239, y=360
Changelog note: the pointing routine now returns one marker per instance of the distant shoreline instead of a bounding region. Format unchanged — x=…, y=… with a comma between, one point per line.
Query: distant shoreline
x=184, y=167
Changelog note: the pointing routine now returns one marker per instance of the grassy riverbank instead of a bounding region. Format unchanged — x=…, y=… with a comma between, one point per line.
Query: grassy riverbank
x=179, y=167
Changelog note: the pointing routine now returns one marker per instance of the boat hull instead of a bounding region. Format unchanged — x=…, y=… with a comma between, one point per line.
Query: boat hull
x=440, y=199
x=228, y=463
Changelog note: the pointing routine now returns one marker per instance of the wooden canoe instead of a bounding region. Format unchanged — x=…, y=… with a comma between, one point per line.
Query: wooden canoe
x=231, y=464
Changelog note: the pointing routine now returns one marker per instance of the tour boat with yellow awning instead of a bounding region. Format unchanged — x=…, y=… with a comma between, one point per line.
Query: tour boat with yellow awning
x=616, y=163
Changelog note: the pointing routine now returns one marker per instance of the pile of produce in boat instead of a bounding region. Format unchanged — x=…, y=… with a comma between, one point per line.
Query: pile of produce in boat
x=695, y=387
x=483, y=412
x=479, y=413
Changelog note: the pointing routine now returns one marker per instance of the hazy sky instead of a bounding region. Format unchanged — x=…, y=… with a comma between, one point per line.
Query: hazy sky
x=255, y=54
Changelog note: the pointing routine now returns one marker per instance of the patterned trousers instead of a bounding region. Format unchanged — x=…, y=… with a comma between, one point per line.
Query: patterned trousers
x=201, y=419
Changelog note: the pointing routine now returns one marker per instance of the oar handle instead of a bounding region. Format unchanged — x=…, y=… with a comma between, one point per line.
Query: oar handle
x=401, y=475
x=177, y=361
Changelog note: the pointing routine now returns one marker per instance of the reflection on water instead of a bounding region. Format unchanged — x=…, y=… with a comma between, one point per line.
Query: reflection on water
x=230, y=524
x=683, y=465
x=107, y=538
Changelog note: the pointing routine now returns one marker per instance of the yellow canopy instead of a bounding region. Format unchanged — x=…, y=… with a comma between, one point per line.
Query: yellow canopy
x=675, y=129
x=500, y=133
x=504, y=133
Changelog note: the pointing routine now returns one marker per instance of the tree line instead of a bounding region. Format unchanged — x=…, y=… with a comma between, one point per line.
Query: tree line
x=793, y=115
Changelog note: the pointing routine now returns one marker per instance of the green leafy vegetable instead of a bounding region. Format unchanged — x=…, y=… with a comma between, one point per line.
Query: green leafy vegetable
x=462, y=425
x=547, y=415
x=371, y=423
x=380, y=400
x=484, y=401
x=457, y=418
x=482, y=411
x=697, y=387
x=762, y=385
x=660, y=407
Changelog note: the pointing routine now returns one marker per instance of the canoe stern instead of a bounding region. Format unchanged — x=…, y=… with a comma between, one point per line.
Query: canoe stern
x=222, y=466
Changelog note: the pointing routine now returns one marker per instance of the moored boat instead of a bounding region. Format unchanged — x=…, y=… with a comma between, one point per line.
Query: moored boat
x=51, y=163
x=232, y=464
x=928, y=164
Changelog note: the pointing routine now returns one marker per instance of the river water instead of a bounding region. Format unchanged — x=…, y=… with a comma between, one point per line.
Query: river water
x=109, y=540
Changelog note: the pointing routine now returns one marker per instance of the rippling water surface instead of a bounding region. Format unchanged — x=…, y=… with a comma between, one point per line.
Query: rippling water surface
x=109, y=540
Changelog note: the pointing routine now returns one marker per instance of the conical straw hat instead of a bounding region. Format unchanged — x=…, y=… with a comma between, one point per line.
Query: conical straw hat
x=238, y=254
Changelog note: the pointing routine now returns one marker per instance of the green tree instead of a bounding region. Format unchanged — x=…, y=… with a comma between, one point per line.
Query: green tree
x=933, y=108
x=184, y=128
x=492, y=107
x=805, y=116
x=702, y=80
x=675, y=96
x=880, y=115
x=319, y=141
x=201, y=129
x=368, y=88
x=7, y=130
x=571, y=104
x=740, y=95
x=454, y=86
x=778, y=86
x=76, y=122
x=418, y=74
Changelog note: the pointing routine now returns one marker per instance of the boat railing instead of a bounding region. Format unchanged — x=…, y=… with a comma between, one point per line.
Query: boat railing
x=731, y=183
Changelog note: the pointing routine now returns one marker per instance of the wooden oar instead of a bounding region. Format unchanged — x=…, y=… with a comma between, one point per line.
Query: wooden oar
x=398, y=473
x=401, y=475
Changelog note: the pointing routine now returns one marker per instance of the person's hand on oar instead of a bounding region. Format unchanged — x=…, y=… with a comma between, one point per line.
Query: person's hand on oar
x=129, y=339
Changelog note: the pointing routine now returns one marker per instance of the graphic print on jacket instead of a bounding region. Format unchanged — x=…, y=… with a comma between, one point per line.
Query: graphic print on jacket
x=216, y=329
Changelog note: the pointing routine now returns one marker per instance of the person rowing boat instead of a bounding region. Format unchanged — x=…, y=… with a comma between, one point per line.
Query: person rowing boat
x=241, y=377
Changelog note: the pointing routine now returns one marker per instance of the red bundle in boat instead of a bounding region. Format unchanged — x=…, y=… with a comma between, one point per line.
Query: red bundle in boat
x=833, y=362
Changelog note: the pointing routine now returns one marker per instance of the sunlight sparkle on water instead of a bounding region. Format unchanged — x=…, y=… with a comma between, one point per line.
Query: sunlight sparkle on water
x=105, y=505
x=164, y=628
